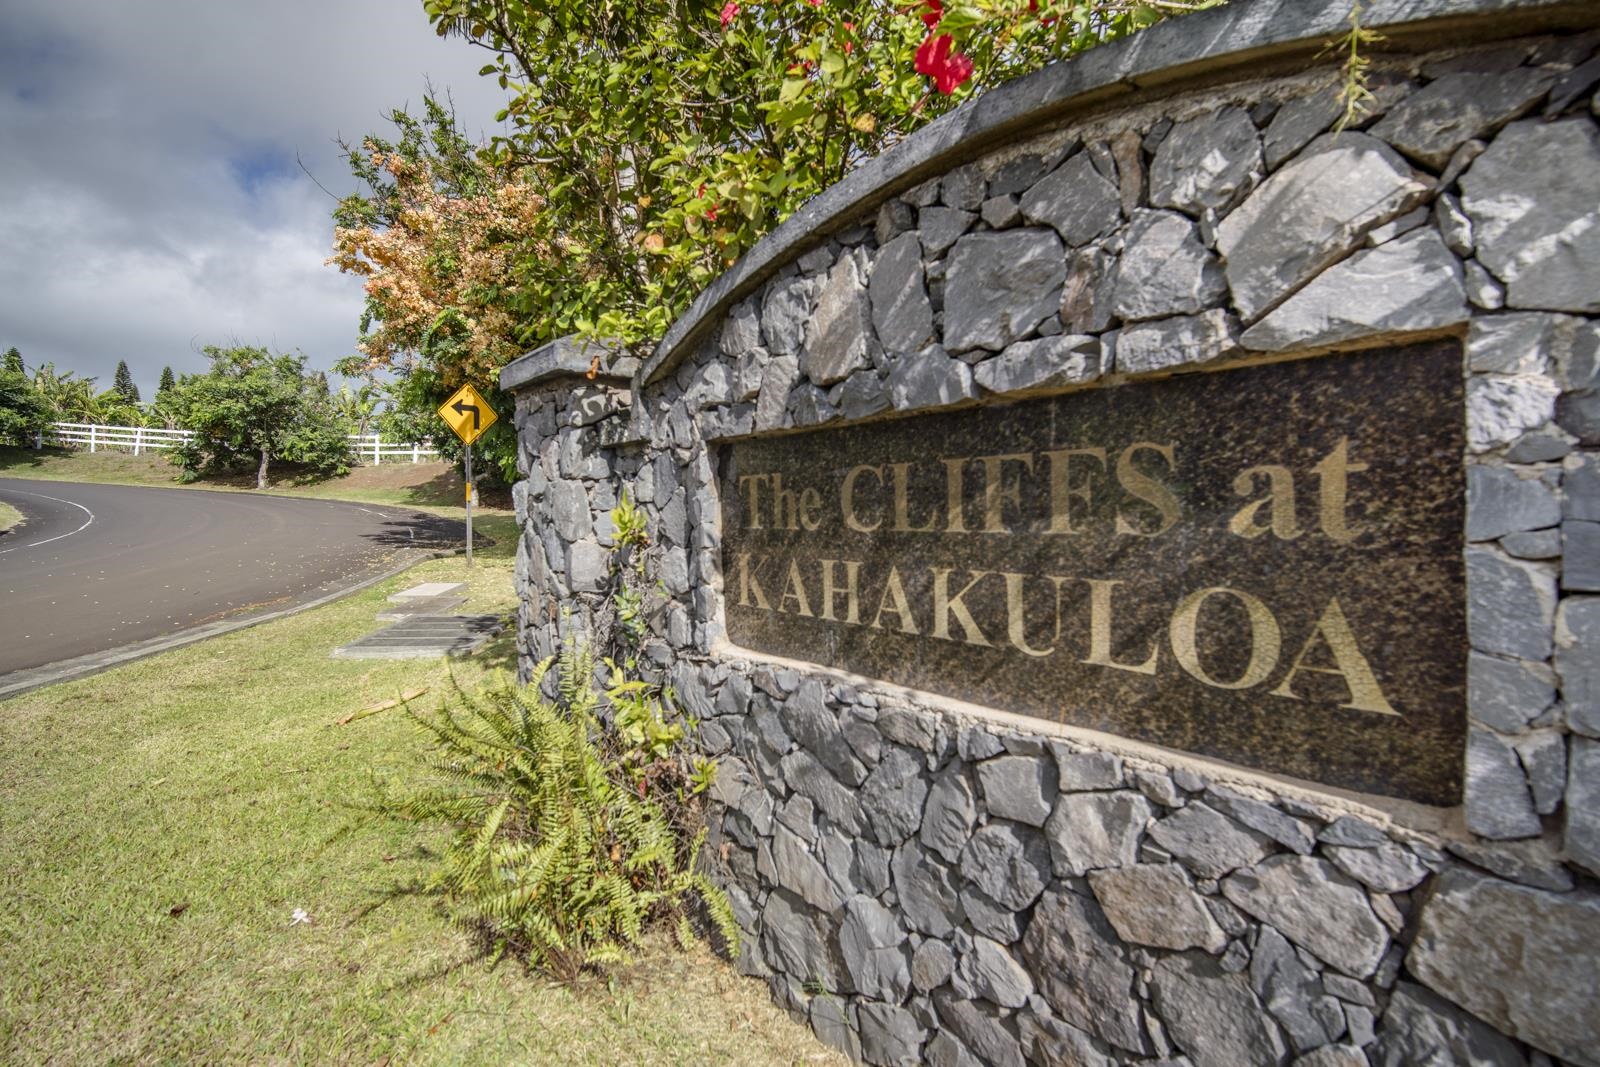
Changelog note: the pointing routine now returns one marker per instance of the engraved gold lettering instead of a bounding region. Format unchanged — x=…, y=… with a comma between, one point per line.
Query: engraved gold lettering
x=1100, y=652
x=794, y=589
x=1063, y=491
x=1265, y=639
x=1349, y=664
x=847, y=498
x=748, y=586
x=892, y=587
x=954, y=494
x=810, y=502
x=1147, y=489
x=831, y=590
x=1016, y=630
x=945, y=606
x=785, y=505
x=752, y=504
x=1333, y=485
x=902, y=502
x=1280, y=496
x=996, y=492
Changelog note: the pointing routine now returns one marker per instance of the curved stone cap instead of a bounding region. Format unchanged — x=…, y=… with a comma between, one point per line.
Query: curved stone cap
x=565, y=357
x=1251, y=35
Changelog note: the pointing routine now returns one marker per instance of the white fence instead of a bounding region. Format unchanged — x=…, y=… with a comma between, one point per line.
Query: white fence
x=367, y=448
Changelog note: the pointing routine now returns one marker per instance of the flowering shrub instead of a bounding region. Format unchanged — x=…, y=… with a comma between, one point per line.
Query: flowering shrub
x=646, y=145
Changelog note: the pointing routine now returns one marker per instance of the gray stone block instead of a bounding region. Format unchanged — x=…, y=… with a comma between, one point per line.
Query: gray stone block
x=1411, y=284
x=1520, y=959
x=932, y=965
x=1501, y=408
x=1001, y=211
x=1164, y=269
x=929, y=379
x=1208, y=843
x=785, y=312
x=801, y=872
x=1316, y=907
x=1208, y=162
x=927, y=891
x=1087, y=770
x=1577, y=662
x=1454, y=226
x=871, y=941
x=1544, y=763
x=1043, y=364
x=1517, y=342
x=1009, y=862
x=1537, y=227
x=900, y=310
x=1502, y=501
x=1076, y=201
x=1081, y=969
x=1420, y=1026
x=1293, y=993
x=1581, y=831
x=1297, y=122
x=1089, y=831
x=1156, y=905
x=1581, y=485
x=1179, y=341
x=1580, y=556
x=941, y=227
x=993, y=975
x=950, y=816
x=1021, y=788
x=1510, y=606
x=1507, y=694
x=1429, y=124
x=1213, y=1015
x=1386, y=868
x=1309, y=214
x=1262, y=817
x=863, y=394
x=838, y=333
x=1498, y=804
x=893, y=796
x=1001, y=286
x=890, y=1035
x=1530, y=863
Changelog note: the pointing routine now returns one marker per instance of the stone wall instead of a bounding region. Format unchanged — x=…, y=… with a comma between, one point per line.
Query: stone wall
x=929, y=881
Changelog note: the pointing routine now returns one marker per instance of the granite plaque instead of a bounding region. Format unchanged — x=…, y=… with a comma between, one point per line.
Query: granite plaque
x=1262, y=564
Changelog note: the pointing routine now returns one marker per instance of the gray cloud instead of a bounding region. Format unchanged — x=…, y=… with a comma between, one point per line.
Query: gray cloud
x=150, y=199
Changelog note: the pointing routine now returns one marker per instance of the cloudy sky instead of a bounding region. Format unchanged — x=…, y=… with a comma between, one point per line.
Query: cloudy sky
x=150, y=199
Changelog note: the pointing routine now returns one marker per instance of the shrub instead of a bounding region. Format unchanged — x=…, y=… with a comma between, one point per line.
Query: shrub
x=567, y=838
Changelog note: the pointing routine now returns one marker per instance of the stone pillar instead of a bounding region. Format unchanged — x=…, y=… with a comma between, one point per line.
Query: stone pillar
x=571, y=418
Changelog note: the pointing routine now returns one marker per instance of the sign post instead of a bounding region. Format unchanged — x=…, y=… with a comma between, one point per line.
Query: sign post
x=469, y=416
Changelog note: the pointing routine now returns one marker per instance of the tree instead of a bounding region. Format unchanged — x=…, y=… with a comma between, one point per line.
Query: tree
x=253, y=407
x=13, y=361
x=23, y=409
x=123, y=383
x=166, y=383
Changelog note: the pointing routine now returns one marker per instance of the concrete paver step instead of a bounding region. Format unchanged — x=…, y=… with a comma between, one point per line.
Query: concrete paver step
x=425, y=636
x=427, y=605
x=428, y=589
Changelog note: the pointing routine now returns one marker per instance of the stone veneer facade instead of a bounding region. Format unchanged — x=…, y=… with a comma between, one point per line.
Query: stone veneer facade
x=932, y=882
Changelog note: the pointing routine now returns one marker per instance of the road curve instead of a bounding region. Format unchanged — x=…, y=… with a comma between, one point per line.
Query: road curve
x=99, y=567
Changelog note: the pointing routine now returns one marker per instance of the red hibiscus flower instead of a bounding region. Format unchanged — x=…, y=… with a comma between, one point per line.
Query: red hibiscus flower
x=934, y=12
x=730, y=11
x=949, y=70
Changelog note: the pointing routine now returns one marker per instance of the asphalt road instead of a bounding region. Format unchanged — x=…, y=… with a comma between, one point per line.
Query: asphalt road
x=101, y=567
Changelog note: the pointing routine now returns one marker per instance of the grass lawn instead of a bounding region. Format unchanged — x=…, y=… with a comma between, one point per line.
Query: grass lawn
x=161, y=822
x=9, y=517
